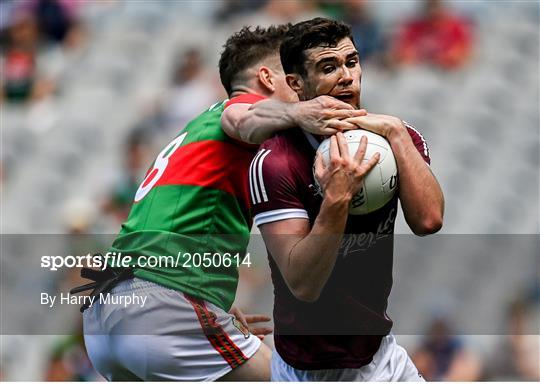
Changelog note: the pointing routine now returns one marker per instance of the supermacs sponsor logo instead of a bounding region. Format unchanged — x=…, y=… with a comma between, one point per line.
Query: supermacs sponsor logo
x=360, y=242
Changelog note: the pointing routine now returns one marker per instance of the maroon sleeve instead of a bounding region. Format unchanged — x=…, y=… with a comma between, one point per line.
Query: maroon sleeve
x=273, y=187
x=419, y=142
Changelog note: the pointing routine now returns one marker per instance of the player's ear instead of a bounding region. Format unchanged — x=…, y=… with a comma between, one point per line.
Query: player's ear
x=265, y=78
x=296, y=82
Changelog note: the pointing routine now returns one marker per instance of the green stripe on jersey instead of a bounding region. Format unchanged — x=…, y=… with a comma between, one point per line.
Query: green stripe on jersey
x=187, y=209
x=177, y=218
x=206, y=126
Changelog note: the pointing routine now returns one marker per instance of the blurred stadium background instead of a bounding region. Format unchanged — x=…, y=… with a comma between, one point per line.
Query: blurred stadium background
x=92, y=90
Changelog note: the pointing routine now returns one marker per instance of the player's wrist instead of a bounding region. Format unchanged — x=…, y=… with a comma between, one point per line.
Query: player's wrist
x=396, y=130
x=333, y=213
x=293, y=114
x=337, y=199
x=400, y=139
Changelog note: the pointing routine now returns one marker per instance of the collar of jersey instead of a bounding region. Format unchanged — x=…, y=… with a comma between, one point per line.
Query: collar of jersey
x=312, y=140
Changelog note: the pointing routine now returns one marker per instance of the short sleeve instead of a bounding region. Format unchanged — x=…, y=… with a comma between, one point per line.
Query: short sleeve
x=273, y=188
x=248, y=98
x=419, y=142
x=245, y=99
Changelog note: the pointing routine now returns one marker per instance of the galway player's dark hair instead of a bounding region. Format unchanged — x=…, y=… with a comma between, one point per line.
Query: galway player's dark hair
x=246, y=48
x=317, y=32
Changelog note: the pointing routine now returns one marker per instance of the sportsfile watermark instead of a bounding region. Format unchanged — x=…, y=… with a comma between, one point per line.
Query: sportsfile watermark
x=120, y=260
x=472, y=281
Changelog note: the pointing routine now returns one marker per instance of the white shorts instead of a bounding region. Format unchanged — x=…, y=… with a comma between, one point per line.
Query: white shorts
x=171, y=337
x=390, y=363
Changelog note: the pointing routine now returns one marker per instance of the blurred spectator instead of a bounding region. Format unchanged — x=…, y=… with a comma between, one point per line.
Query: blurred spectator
x=366, y=30
x=443, y=356
x=68, y=360
x=19, y=62
x=79, y=215
x=31, y=68
x=136, y=157
x=438, y=37
x=6, y=16
x=292, y=10
x=334, y=9
x=57, y=20
x=193, y=90
x=53, y=20
x=517, y=357
x=277, y=12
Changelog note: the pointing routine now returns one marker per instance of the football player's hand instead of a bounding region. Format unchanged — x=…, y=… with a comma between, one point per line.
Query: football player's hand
x=247, y=320
x=383, y=125
x=325, y=115
x=343, y=176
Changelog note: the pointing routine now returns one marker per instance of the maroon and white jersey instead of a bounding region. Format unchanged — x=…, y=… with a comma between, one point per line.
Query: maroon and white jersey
x=344, y=327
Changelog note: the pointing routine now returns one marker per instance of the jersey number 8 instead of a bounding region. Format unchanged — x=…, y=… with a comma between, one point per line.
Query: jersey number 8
x=158, y=169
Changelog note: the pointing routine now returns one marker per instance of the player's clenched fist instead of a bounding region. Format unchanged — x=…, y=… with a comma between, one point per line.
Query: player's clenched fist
x=342, y=177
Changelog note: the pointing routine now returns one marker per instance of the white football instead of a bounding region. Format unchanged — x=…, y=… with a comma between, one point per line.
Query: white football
x=379, y=186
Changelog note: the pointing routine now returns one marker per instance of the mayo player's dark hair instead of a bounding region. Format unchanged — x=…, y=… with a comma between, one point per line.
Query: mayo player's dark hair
x=246, y=48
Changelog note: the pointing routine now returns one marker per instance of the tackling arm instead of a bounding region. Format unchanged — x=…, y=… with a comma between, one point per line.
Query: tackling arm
x=254, y=123
x=257, y=122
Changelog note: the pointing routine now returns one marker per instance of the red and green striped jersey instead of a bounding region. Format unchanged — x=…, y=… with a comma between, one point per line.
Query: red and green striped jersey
x=194, y=200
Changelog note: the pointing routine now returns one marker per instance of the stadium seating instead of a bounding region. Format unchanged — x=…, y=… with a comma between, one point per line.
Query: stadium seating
x=482, y=124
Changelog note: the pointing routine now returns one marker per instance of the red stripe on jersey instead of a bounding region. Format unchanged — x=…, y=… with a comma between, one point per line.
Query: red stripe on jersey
x=247, y=98
x=213, y=164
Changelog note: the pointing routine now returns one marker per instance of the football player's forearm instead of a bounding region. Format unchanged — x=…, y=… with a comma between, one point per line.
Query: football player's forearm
x=264, y=119
x=420, y=194
x=313, y=258
x=255, y=123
